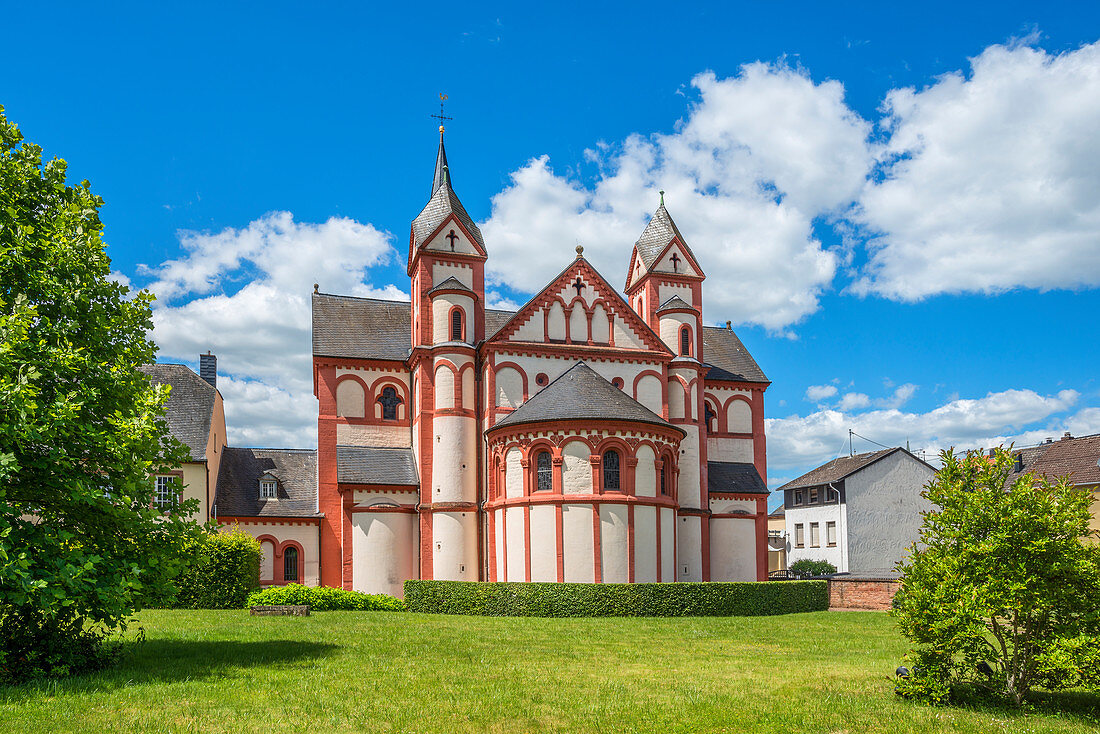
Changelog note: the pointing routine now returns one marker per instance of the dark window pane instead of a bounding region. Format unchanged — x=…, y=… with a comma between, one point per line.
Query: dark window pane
x=611, y=470
x=290, y=564
x=456, y=326
x=685, y=341
x=544, y=470
x=389, y=401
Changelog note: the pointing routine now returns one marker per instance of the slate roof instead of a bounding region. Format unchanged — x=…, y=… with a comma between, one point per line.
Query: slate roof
x=190, y=404
x=370, y=465
x=582, y=394
x=1073, y=457
x=838, y=469
x=495, y=320
x=727, y=357
x=443, y=203
x=656, y=236
x=730, y=476
x=780, y=511
x=674, y=302
x=361, y=328
x=440, y=164
x=238, y=487
x=451, y=283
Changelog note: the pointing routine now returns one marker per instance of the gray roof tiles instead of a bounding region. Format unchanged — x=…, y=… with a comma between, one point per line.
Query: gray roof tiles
x=674, y=302
x=727, y=357
x=443, y=203
x=580, y=393
x=838, y=469
x=371, y=465
x=238, y=483
x=734, y=477
x=361, y=328
x=451, y=283
x=657, y=234
x=190, y=405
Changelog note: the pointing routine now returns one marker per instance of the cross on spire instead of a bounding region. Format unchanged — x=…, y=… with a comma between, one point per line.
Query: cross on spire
x=441, y=117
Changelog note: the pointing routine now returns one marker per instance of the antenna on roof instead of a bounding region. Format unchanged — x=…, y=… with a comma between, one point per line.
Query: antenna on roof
x=851, y=451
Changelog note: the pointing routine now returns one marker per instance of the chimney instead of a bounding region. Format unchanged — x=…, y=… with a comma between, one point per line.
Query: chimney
x=208, y=368
x=1049, y=440
x=1019, y=463
x=1066, y=436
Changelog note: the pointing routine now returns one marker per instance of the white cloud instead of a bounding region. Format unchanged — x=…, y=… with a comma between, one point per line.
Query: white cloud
x=757, y=159
x=991, y=180
x=799, y=443
x=853, y=401
x=902, y=395
x=816, y=393
x=261, y=332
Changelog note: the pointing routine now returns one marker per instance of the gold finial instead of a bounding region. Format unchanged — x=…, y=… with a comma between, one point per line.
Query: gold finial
x=580, y=250
x=440, y=116
x=315, y=287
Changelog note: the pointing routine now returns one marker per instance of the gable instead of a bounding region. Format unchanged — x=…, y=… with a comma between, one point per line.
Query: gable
x=452, y=237
x=580, y=307
x=676, y=259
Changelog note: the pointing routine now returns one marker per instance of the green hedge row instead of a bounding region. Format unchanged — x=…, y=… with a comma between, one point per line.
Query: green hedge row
x=325, y=599
x=713, y=599
x=223, y=569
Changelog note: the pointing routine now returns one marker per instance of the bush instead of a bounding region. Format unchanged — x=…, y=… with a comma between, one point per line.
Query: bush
x=224, y=568
x=326, y=599
x=521, y=599
x=33, y=646
x=810, y=567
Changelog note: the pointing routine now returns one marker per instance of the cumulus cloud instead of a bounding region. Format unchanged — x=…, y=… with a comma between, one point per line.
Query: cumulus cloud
x=261, y=330
x=759, y=156
x=817, y=393
x=989, y=181
x=853, y=401
x=802, y=442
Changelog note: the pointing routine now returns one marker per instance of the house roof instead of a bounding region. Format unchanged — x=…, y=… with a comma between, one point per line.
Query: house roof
x=444, y=203
x=238, y=487
x=840, y=468
x=451, y=283
x=1073, y=457
x=190, y=407
x=780, y=511
x=734, y=477
x=655, y=237
x=371, y=465
x=727, y=357
x=361, y=328
x=580, y=393
x=674, y=302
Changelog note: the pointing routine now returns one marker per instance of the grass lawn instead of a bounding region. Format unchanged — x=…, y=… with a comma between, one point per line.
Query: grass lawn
x=397, y=672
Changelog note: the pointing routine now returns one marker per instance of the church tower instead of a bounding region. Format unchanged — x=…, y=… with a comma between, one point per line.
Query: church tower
x=447, y=271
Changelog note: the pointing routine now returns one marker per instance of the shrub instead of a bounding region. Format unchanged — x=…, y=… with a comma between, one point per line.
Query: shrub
x=326, y=599
x=223, y=569
x=520, y=599
x=811, y=567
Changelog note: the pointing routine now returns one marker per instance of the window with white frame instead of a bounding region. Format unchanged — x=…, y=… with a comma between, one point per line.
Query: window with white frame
x=799, y=536
x=269, y=489
x=797, y=497
x=813, y=496
x=815, y=535
x=830, y=533
x=166, y=492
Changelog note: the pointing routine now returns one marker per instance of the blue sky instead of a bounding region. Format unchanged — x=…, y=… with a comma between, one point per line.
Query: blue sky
x=899, y=206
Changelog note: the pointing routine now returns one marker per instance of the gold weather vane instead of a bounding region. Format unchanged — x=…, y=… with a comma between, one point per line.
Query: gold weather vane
x=441, y=117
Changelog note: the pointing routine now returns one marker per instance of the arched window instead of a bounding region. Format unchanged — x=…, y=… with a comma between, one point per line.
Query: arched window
x=389, y=402
x=290, y=564
x=544, y=472
x=666, y=476
x=456, y=325
x=610, y=463
x=710, y=417
x=685, y=341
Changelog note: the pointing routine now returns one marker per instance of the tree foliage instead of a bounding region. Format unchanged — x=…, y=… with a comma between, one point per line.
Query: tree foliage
x=811, y=567
x=1003, y=594
x=81, y=430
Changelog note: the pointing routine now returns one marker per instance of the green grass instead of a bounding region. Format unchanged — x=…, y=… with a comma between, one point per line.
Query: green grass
x=397, y=672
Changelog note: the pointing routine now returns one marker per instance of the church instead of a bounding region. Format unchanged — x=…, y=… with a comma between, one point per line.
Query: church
x=591, y=436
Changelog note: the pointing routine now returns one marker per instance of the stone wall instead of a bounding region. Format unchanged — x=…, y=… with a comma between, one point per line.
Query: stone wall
x=862, y=592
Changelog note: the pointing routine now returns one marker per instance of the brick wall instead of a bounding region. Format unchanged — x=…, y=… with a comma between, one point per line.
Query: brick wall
x=861, y=592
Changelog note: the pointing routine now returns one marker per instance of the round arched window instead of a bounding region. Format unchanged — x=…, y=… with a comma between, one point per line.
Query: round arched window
x=389, y=400
x=610, y=464
x=544, y=477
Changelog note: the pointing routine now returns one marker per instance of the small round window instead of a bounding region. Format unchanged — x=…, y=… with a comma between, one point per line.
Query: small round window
x=618, y=382
x=541, y=379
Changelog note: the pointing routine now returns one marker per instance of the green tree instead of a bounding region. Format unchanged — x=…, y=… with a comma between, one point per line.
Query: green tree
x=1003, y=594
x=81, y=430
x=812, y=567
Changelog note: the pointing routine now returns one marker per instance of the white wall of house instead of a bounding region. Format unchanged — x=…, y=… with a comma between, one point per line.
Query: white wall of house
x=822, y=515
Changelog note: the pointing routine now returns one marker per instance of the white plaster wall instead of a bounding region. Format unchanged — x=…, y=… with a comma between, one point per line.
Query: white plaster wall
x=614, y=540
x=532, y=330
x=665, y=292
x=305, y=535
x=650, y=394
x=499, y=530
x=729, y=449
x=441, y=242
x=383, y=436
x=884, y=511
x=441, y=309
x=577, y=539
x=645, y=544
x=732, y=550
x=739, y=417
x=554, y=367
x=670, y=324
x=576, y=470
x=645, y=473
x=544, y=543
x=351, y=399
x=578, y=324
x=555, y=326
x=454, y=469
x=384, y=547
x=689, y=552
x=444, y=387
x=516, y=561
x=668, y=544
x=688, y=484
x=509, y=388
x=626, y=337
x=665, y=264
x=677, y=398
x=469, y=391
x=724, y=506
x=513, y=473
x=369, y=376
x=442, y=271
x=454, y=546
x=267, y=560
x=365, y=497
x=601, y=326
x=820, y=514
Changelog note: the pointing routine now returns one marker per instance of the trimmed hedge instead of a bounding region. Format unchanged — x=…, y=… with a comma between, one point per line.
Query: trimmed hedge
x=223, y=570
x=521, y=599
x=325, y=599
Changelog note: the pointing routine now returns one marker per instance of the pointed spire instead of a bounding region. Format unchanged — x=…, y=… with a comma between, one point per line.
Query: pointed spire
x=441, y=172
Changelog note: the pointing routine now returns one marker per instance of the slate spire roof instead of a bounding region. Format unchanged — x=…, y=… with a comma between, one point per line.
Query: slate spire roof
x=441, y=169
x=444, y=203
x=582, y=394
x=655, y=238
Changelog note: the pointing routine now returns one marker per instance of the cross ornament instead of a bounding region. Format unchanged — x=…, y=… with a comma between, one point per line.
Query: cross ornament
x=578, y=285
x=675, y=263
x=452, y=237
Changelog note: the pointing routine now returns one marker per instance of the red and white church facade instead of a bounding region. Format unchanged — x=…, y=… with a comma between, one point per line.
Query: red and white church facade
x=589, y=436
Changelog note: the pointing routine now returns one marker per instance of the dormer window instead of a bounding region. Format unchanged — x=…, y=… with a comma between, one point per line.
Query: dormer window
x=269, y=489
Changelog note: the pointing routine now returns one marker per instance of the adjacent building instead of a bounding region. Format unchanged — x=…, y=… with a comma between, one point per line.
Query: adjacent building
x=860, y=513
x=1077, y=459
